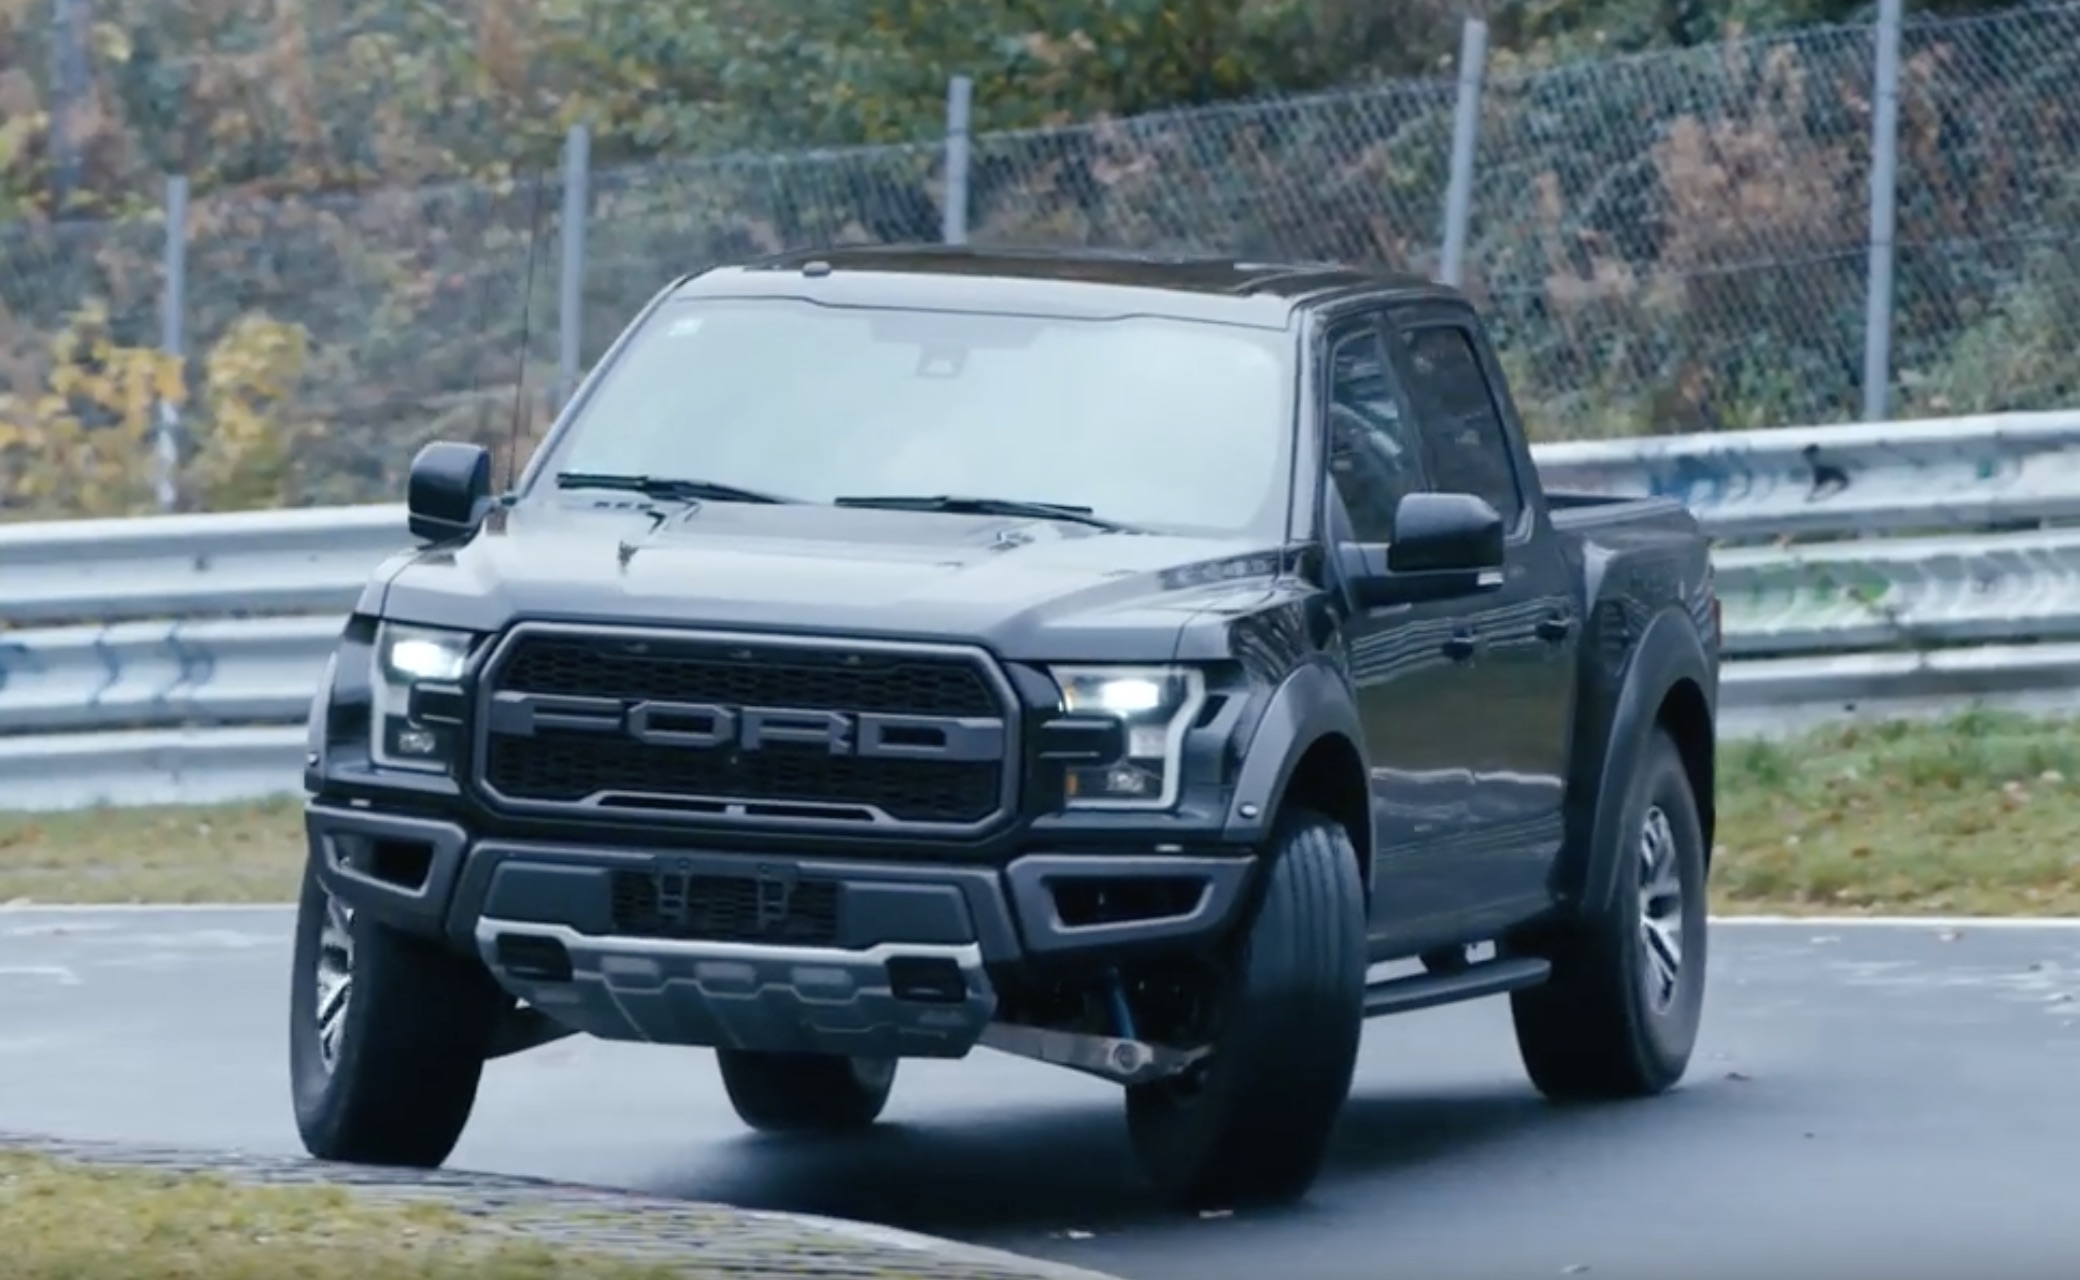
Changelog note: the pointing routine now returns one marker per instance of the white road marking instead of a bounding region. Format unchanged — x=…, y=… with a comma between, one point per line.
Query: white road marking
x=57, y=973
x=121, y=908
x=1959, y=923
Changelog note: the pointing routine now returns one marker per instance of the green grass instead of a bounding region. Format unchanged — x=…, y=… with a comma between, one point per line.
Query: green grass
x=72, y=1222
x=1977, y=815
x=214, y=853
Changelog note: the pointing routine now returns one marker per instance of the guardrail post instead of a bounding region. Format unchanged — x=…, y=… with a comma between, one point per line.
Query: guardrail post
x=1466, y=128
x=570, y=303
x=173, y=313
x=1877, y=307
x=960, y=102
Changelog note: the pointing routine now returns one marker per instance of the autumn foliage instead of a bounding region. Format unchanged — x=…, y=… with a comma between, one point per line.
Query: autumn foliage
x=1669, y=222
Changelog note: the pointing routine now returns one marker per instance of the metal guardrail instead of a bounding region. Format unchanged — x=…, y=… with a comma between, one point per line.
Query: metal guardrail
x=1771, y=697
x=1915, y=593
x=173, y=658
x=252, y=562
x=1868, y=478
x=161, y=766
x=155, y=674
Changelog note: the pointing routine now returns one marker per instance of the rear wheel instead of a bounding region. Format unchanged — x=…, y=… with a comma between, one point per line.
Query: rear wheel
x=806, y=1092
x=1251, y=1124
x=1619, y=1017
x=387, y=1037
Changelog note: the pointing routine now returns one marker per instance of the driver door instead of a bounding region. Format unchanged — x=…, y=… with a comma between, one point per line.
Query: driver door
x=1411, y=664
x=1516, y=730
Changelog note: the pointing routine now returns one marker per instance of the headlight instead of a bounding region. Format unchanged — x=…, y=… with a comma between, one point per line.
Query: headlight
x=1155, y=706
x=405, y=657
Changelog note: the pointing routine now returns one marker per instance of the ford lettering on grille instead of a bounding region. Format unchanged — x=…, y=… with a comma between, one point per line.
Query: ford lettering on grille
x=706, y=727
x=710, y=726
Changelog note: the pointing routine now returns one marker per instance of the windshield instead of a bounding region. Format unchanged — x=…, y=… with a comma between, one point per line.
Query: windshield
x=1151, y=422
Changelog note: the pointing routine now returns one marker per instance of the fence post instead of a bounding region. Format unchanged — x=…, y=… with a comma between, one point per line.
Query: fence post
x=72, y=24
x=570, y=301
x=960, y=101
x=173, y=315
x=1466, y=131
x=1877, y=305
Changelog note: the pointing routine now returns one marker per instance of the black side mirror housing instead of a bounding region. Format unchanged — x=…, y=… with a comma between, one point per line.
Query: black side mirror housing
x=448, y=492
x=1446, y=545
x=1445, y=533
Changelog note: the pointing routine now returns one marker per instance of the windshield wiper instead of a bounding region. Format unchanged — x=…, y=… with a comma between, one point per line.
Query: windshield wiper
x=958, y=504
x=663, y=487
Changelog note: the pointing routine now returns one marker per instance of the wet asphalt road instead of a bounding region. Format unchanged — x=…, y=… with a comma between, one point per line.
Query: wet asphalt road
x=1895, y=1101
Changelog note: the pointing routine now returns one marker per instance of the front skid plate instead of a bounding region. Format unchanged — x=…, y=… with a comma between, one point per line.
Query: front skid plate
x=742, y=996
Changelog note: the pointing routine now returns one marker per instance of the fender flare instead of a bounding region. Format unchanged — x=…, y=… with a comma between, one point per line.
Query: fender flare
x=1668, y=652
x=1312, y=703
x=317, y=725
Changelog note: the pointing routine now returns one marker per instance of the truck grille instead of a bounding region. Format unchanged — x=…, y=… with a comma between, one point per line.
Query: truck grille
x=558, y=729
x=706, y=908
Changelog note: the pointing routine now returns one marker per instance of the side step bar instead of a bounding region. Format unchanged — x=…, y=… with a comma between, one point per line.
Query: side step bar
x=1428, y=990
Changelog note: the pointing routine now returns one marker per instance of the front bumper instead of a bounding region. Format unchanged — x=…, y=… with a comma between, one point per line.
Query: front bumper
x=897, y=959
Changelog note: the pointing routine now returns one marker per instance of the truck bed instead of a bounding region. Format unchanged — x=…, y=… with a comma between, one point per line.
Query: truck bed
x=1584, y=512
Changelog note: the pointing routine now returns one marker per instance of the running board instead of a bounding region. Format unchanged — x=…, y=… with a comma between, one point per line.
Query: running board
x=1428, y=990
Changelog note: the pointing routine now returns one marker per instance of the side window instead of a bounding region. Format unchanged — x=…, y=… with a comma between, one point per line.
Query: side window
x=1373, y=452
x=1469, y=452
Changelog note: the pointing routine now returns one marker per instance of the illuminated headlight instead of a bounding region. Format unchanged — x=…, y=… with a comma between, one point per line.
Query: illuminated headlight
x=1155, y=706
x=405, y=657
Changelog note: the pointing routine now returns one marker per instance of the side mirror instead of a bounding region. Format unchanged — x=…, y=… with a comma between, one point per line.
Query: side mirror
x=1446, y=545
x=448, y=492
x=1445, y=533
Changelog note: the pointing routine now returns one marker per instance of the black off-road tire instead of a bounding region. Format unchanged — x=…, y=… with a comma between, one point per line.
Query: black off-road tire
x=1252, y=1123
x=401, y=1080
x=1607, y=1025
x=805, y=1092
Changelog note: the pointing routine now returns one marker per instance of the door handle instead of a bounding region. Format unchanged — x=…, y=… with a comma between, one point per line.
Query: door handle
x=1556, y=627
x=1460, y=646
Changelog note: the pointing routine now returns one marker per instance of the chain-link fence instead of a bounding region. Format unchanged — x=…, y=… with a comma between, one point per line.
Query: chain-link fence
x=1668, y=242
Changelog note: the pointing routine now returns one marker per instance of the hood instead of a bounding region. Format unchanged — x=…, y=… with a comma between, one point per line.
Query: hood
x=1033, y=590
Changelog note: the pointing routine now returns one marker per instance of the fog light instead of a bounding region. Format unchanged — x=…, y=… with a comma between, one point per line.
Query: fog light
x=413, y=740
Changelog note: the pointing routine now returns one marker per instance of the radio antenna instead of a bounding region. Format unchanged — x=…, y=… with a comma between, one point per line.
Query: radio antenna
x=534, y=240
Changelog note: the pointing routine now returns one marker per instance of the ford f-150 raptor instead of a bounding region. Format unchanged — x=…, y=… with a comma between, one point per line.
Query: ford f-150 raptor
x=1112, y=660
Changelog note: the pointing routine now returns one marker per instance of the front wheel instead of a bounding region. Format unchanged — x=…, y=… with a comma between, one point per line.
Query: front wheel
x=1619, y=1018
x=805, y=1092
x=387, y=1037
x=1251, y=1124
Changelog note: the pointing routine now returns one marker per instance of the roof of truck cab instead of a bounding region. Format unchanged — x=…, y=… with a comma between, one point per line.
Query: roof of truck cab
x=1070, y=282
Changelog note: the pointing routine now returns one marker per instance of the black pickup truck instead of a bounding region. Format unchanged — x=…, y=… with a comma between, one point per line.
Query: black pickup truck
x=1112, y=660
